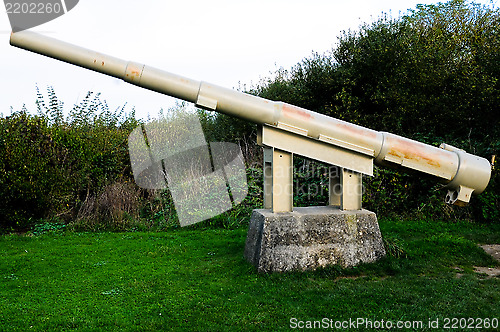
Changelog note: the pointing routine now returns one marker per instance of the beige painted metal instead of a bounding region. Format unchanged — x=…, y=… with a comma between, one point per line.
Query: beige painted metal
x=314, y=149
x=278, y=180
x=350, y=146
x=268, y=177
x=351, y=185
x=345, y=189
x=334, y=189
x=471, y=171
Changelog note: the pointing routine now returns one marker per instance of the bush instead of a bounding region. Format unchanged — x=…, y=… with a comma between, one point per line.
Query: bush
x=116, y=207
x=50, y=166
x=27, y=187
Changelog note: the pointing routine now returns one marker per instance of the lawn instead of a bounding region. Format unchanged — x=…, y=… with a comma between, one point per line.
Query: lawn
x=197, y=280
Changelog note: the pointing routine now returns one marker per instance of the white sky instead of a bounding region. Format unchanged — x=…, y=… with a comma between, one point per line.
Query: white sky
x=224, y=42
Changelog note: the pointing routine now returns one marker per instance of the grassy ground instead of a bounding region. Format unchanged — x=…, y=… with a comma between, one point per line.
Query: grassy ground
x=197, y=280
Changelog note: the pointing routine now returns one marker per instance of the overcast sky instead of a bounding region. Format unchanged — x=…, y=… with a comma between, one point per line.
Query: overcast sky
x=225, y=42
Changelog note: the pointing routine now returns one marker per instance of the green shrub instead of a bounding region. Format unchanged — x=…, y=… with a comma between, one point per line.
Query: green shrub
x=50, y=166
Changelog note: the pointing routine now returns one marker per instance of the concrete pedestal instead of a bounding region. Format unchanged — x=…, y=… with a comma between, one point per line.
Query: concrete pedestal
x=312, y=237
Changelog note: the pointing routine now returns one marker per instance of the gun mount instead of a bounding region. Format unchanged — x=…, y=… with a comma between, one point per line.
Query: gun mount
x=285, y=130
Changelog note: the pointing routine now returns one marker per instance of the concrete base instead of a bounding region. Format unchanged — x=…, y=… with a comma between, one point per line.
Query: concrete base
x=312, y=237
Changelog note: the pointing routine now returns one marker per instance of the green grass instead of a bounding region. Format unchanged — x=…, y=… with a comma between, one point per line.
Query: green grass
x=197, y=280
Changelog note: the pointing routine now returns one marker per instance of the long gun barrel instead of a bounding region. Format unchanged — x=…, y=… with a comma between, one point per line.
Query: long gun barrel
x=463, y=173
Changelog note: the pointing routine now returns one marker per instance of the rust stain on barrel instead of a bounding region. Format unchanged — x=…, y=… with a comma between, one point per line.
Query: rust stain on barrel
x=356, y=130
x=185, y=81
x=409, y=150
x=295, y=111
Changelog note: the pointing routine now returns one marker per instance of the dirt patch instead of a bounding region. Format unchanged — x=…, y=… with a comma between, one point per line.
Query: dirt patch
x=491, y=272
x=493, y=250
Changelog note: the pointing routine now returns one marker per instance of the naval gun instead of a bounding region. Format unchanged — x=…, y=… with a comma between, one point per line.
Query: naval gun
x=286, y=129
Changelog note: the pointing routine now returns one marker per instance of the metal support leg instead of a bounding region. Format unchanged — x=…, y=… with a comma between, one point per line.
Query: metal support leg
x=351, y=190
x=268, y=178
x=278, y=180
x=334, y=187
x=345, y=187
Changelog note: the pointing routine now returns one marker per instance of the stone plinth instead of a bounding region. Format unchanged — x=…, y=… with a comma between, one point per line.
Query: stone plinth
x=312, y=237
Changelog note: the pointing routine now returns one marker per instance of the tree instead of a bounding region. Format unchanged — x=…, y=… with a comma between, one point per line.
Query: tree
x=433, y=71
x=431, y=75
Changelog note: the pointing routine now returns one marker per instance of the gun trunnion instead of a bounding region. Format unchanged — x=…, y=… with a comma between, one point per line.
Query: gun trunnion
x=286, y=129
